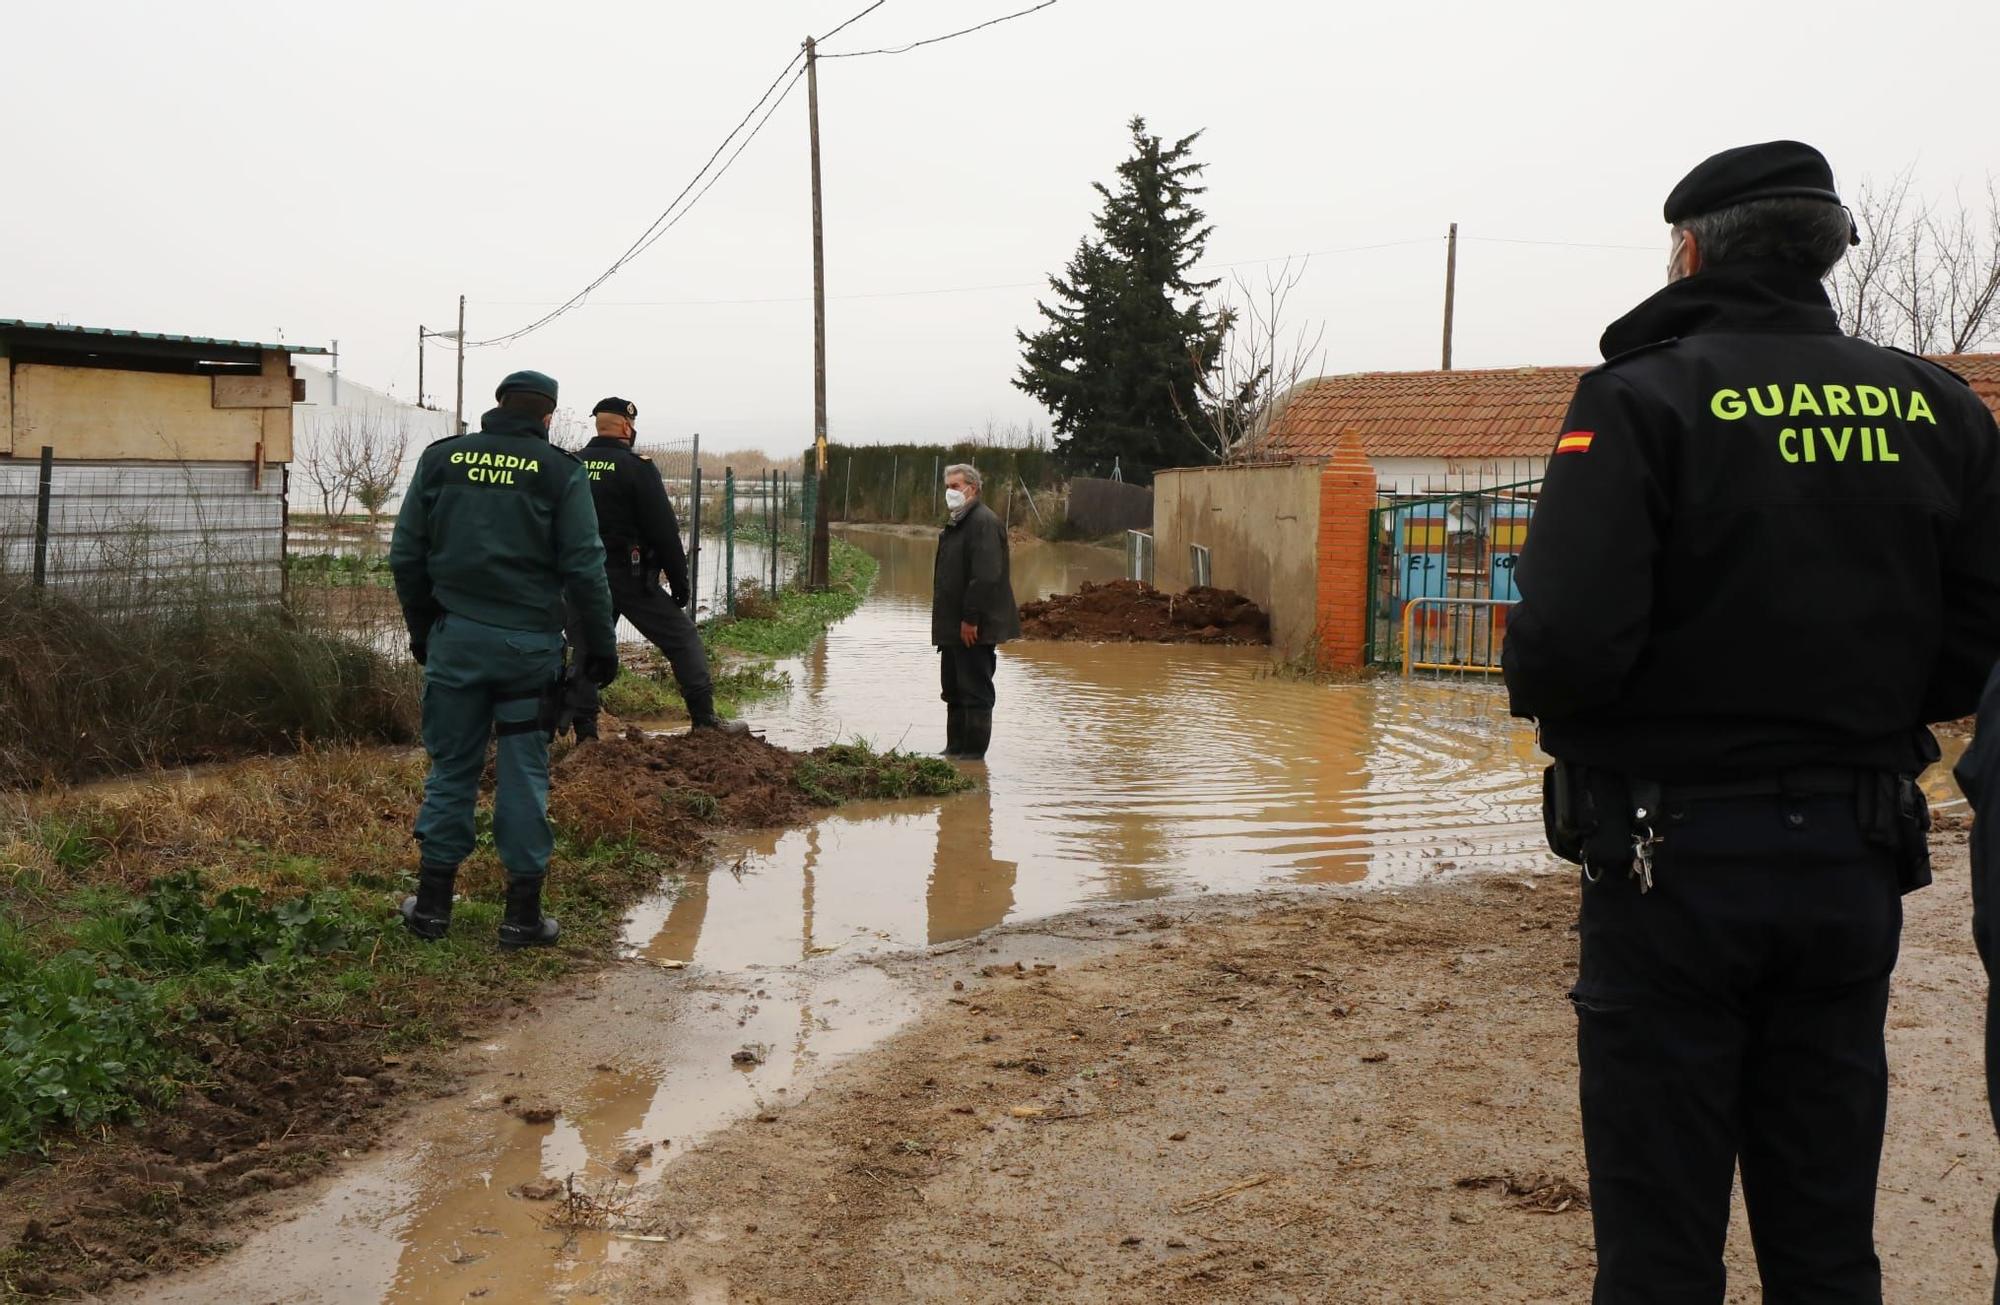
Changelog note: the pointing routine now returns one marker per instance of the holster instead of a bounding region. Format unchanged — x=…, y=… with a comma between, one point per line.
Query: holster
x=555, y=714
x=1587, y=815
x=1896, y=815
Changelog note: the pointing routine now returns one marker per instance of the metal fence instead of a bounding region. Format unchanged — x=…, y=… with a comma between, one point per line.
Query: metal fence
x=141, y=535
x=1443, y=576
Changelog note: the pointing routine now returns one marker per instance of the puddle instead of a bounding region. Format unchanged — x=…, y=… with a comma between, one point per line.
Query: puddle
x=1118, y=773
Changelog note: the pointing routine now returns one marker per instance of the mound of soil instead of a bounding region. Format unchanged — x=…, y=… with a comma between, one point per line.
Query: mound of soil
x=1132, y=611
x=659, y=784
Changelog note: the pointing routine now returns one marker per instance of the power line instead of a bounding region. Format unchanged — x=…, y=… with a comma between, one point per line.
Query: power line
x=1557, y=244
x=967, y=31
x=852, y=21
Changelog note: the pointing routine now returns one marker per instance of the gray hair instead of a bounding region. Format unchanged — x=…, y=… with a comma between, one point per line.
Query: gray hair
x=1808, y=233
x=967, y=470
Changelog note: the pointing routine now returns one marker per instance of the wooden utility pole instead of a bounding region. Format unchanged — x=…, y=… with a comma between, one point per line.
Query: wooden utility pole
x=421, y=334
x=458, y=408
x=1450, y=289
x=817, y=571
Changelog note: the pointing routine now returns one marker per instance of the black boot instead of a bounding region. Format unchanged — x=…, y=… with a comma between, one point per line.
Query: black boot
x=978, y=734
x=428, y=914
x=954, y=732
x=701, y=710
x=525, y=925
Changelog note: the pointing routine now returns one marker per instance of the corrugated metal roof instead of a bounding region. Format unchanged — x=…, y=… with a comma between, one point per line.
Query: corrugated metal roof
x=14, y=324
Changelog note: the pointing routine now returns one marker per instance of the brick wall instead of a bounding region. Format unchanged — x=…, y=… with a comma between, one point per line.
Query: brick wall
x=1346, y=497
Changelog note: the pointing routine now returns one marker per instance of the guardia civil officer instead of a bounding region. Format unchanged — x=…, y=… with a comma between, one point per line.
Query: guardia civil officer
x=972, y=612
x=642, y=542
x=1978, y=775
x=1765, y=556
x=495, y=532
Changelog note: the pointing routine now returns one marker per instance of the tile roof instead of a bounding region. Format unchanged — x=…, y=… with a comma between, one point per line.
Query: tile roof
x=1499, y=413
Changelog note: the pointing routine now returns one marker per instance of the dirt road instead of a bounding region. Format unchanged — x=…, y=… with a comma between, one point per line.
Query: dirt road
x=1363, y=1097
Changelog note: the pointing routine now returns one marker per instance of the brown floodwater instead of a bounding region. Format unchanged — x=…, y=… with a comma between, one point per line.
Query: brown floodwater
x=1117, y=773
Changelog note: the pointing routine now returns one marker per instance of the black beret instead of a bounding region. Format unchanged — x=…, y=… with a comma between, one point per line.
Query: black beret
x=533, y=382
x=1778, y=169
x=618, y=408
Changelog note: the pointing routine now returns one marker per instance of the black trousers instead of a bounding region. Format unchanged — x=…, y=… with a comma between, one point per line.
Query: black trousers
x=966, y=675
x=653, y=613
x=1734, y=1016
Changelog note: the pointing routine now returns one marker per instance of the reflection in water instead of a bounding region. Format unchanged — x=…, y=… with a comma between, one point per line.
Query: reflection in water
x=969, y=891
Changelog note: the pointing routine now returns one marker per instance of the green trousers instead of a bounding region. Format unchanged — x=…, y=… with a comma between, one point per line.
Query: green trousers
x=480, y=680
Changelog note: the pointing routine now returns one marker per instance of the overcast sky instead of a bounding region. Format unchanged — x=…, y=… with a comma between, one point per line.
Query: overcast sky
x=346, y=171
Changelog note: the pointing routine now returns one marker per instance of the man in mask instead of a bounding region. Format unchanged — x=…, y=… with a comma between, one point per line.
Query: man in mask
x=972, y=611
x=642, y=542
x=1765, y=556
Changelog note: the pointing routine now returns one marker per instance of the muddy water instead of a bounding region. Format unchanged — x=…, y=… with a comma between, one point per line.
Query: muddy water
x=1117, y=773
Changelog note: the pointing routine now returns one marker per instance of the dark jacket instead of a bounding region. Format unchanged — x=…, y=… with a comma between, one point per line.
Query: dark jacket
x=497, y=526
x=1978, y=775
x=1761, y=545
x=633, y=509
x=971, y=581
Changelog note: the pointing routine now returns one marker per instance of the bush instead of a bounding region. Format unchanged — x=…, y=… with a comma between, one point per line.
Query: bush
x=85, y=693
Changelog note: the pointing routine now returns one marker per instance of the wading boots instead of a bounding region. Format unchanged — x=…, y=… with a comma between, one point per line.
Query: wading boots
x=977, y=735
x=525, y=925
x=428, y=914
x=701, y=710
x=954, y=732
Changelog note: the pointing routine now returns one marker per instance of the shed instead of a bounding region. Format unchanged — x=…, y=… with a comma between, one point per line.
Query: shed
x=135, y=463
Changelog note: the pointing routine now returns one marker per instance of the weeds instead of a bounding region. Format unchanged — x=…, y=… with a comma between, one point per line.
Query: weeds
x=848, y=771
x=88, y=693
x=801, y=616
x=339, y=570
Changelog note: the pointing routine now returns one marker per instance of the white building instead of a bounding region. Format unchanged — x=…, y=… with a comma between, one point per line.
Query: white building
x=341, y=428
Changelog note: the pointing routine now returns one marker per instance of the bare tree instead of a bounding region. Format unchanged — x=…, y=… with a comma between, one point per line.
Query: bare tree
x=1926, y=276
x=380, y=446
x=327, y=460
x=1260, y=363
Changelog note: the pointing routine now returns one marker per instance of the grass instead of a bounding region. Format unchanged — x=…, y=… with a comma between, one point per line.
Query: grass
x=338, y=570
x=796, y=617
x=90, y=692
x=846, y=772
x=646, y=690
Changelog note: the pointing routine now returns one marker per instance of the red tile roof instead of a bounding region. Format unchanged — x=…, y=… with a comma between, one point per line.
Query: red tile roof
x=1500, y=413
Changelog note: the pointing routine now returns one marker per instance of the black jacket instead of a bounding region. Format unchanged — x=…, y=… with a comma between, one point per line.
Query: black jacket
x=971, y=582
x=633, y=509
x=1761, y=545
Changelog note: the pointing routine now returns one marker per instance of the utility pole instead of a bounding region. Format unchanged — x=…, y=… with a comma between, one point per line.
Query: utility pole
x=336, y=374
x=458, y=409
x=817, y=571
x=1450, y=289
x=421, y=334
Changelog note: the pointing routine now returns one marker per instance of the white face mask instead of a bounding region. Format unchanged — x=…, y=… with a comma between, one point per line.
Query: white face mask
x=954, y=499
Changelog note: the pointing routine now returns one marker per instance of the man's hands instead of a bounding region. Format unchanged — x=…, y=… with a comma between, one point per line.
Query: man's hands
x=600, y=668
x=968, y=633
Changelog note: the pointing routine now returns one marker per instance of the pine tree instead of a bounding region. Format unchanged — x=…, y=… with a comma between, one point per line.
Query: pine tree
x=1128, y=338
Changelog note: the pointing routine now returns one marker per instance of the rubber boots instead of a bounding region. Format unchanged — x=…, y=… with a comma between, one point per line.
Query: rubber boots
x=954, y=733
x=525, y=925
x=428, y=914
x=701, y=710
x=976, y=736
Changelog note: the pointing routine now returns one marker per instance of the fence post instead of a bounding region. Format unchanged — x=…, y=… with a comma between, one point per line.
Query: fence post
x=891, y=506
x=729, y=541
x=809, y=515
x=42, y=495
x=285, y=535
x=694, y=539
x=847, y=505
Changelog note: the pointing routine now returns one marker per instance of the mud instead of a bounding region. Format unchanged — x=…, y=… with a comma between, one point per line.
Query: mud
x=1362, y=1098
x=657, y=786
x=1133, y=611
x=274, y=1113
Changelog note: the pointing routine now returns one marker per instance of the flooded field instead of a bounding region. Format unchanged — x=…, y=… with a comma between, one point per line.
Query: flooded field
x=1118, y=773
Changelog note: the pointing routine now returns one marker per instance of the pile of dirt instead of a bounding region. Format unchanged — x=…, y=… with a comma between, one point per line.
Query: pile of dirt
x=660, y=785
x=1132, y=611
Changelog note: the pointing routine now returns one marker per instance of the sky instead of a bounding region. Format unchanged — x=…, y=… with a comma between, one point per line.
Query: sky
x=346, y=172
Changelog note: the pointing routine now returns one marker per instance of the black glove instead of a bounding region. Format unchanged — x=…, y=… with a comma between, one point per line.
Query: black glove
x=419, y=649
x=680, y=599
x=601, y=668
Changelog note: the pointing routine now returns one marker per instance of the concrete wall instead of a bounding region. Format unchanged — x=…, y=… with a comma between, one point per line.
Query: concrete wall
x=1261, y=526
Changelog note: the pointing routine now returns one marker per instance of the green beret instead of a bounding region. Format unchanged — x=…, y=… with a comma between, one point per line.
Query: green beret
x=532, y=382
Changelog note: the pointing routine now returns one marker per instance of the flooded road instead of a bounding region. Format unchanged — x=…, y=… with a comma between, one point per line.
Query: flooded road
x=1117, y=773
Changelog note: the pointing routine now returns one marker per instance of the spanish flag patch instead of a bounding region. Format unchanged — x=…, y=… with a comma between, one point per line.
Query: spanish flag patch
x=1576, y=441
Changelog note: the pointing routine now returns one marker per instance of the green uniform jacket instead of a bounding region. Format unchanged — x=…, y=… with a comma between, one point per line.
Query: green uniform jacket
x=497, y=527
